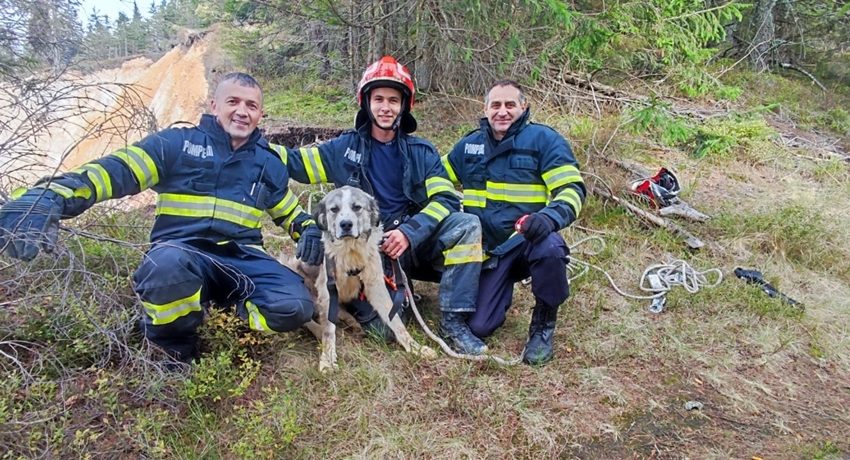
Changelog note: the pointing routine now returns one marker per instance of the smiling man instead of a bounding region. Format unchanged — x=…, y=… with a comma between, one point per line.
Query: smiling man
x=214, y=182
x=419, y=209
x=522, y=180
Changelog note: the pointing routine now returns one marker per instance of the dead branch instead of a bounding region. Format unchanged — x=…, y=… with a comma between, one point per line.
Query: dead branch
x=788, y=65
x=683, y=209
x=690, y=240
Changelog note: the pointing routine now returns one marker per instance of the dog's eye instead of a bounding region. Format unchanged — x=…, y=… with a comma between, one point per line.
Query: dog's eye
x=356, y=207
x=334, y=209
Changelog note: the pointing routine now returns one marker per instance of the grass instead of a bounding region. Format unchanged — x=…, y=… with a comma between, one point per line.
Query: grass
x=79, y=381
x=794, y=232
x=309, y=102
x=796, y=99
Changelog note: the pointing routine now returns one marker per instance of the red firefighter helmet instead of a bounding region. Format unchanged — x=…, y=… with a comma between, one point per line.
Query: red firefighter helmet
x=660, y=190
x=387, y=72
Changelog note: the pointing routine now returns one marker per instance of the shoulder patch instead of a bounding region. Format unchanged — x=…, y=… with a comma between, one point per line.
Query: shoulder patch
x=473, y=149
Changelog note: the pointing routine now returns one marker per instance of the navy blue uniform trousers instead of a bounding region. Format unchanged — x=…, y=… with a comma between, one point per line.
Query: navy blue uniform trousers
x=546, y=263
x=177, y=278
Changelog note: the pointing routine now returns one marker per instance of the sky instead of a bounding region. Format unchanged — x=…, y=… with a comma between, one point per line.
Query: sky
x=111, y=8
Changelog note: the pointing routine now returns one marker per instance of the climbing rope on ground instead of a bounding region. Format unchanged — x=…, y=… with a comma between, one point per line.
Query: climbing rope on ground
x=657, y=279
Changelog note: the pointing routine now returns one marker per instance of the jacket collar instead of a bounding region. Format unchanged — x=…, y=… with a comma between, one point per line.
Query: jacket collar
x=210, y=125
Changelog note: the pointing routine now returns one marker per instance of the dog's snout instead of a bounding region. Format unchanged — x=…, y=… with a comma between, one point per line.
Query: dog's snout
x=346, y=225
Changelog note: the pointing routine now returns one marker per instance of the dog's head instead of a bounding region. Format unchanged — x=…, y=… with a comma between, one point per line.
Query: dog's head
x=348, y=212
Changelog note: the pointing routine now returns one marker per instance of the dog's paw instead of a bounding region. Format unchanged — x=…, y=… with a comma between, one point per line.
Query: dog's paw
x=427, y=352
x=327, y=362
x=326, y=366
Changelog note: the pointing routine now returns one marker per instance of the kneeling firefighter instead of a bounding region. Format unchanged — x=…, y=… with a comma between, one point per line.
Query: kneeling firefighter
x=424, y=229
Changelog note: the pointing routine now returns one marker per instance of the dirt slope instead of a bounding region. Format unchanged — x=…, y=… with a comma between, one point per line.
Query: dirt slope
x=174, y=88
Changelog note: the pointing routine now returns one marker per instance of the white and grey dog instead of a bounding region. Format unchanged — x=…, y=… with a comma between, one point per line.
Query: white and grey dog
x=351, y=232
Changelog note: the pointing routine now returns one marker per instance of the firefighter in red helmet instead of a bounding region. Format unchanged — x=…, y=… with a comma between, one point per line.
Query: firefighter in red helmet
x=424, y=229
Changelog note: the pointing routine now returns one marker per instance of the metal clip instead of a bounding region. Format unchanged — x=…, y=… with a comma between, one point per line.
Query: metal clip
x=657, y=305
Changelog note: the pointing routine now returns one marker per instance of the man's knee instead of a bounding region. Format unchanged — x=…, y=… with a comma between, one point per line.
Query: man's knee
x=552, y=249
x=467, y=225
x=280, y=314
x=165, y=266
x=483, y=326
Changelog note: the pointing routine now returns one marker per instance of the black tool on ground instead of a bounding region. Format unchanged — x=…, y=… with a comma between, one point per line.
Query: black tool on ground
x=756, y=277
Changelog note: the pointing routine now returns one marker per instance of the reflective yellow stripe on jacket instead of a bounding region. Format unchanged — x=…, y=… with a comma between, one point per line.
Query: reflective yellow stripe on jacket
x=437, y=184
x=313, y=164
x=564, y=175
x=474, y=198
x=517, y=193
x=560, y=176
x=281, y=152
x=141, y=164
x=436, y=210
x=65, y=192
x=285, y=206
x=174, y=204
x=448, y=165
x=167, y=313
x=570, y=197
x=100, y=178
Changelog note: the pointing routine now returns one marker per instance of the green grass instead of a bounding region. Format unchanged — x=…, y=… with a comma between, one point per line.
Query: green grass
x=794, y=232
x=797, y=99
x=825, y=450
x=310, y=102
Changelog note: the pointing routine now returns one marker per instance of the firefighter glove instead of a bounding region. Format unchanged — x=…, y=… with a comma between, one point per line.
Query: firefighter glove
x=536, y=227
x=310, y=248
x=30, y=222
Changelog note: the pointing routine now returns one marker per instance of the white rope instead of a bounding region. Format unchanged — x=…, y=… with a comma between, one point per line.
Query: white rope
x=443, y=345
x=657, y=279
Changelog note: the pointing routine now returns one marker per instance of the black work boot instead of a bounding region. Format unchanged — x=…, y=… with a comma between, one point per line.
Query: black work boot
x=541, y=333
x=453, y=328
x=369, y=320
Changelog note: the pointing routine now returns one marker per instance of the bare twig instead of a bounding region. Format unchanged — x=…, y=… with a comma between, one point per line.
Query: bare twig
x=788, y=65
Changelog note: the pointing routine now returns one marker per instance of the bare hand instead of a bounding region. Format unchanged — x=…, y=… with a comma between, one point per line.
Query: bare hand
x=395, y=243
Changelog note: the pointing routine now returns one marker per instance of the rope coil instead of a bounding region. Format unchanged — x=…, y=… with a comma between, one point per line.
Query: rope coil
x=657, y=279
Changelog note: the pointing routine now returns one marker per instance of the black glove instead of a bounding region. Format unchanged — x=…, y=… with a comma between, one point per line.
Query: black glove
x=29, y=222
x=536, y=227
x=310, y=248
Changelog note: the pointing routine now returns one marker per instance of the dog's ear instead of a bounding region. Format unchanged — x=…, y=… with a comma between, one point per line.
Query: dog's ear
x=374, y=212
x=321, y=216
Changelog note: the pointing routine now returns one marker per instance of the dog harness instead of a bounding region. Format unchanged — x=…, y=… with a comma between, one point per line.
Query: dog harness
x=393, y=281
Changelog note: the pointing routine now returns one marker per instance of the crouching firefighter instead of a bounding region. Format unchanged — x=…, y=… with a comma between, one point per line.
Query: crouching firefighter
x=418, y=205
x=214, y=183
x=522, y=180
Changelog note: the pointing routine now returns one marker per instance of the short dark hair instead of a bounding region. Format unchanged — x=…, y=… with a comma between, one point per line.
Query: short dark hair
x=241, y=79
x=505, y=82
